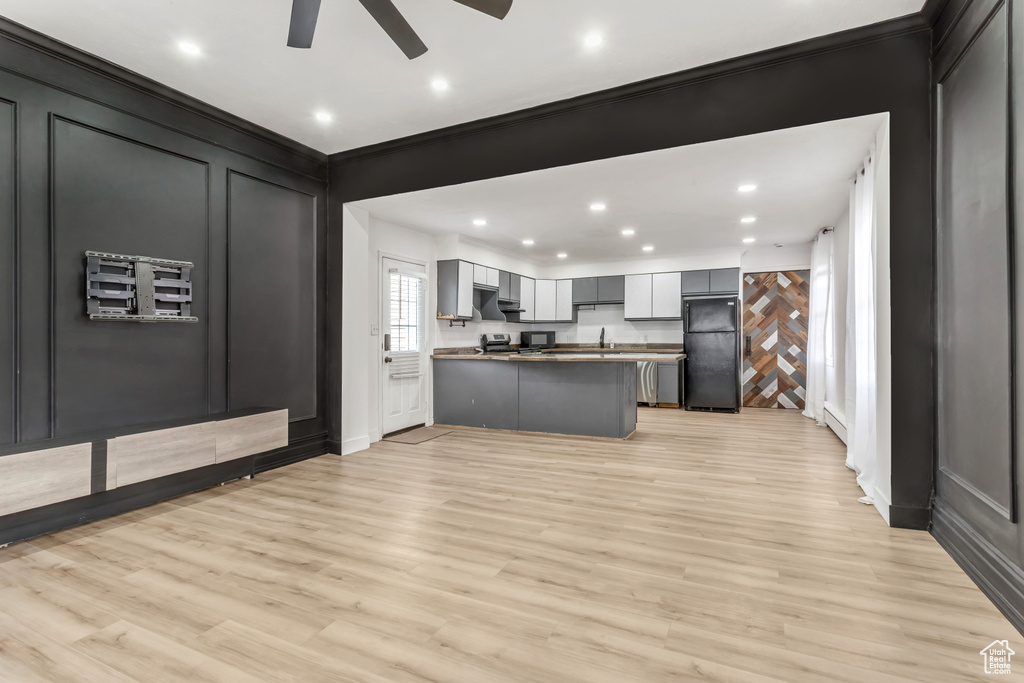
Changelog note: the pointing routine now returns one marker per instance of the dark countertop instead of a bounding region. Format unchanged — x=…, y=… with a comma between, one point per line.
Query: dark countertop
x=569, y=355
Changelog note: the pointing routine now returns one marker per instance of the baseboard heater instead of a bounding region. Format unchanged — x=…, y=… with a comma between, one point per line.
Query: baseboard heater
x=835, y=424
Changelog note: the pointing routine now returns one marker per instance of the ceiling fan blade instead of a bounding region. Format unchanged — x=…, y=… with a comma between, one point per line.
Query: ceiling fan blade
x=304, y=14
x=496, y=8
x=395, y=25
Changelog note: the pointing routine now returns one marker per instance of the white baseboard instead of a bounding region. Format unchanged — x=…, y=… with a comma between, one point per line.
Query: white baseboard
x=354, y=445
x=836, y=423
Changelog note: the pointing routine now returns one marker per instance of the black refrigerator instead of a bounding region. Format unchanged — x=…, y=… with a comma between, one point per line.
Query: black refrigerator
x=712, y=343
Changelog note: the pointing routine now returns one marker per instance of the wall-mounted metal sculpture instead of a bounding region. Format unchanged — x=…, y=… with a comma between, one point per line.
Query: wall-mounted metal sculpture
x=137, y=288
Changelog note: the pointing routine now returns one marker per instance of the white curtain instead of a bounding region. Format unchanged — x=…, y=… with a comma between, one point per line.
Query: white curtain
x=861, y=353
x=818, y=321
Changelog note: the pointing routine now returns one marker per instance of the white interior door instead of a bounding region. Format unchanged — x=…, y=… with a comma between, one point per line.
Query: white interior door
x=404, y=348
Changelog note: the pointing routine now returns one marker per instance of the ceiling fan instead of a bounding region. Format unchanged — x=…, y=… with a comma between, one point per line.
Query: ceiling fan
x=305, y=12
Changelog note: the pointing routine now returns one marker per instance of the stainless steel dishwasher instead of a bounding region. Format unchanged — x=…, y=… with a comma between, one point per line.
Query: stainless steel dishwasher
x=647, y=382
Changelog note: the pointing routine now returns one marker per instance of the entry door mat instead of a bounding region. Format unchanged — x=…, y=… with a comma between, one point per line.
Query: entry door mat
x=417, y=436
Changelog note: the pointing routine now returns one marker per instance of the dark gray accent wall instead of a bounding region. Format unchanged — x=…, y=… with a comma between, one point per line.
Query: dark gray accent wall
x=95, y=157
x=882, y=68
x=118, y=195
x=273, y=293
x=8, y=269
x=979, y=298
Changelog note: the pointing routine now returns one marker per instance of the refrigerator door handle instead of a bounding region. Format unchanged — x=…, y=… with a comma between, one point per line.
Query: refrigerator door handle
x=746, y=348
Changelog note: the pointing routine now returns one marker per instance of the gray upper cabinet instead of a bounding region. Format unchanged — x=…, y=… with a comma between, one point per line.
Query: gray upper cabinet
x=696, y=282
x=638, y=296
x=515, y=287
x=725, y=281
x=504, y=285
x=611, y=289
x=584, y=290
x=667, y=302
x=455, y=290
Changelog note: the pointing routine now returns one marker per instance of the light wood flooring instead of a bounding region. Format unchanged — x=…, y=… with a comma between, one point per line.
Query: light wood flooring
x=710, y=547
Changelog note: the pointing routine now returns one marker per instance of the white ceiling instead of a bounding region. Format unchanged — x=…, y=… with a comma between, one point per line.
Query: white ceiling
x=682, y=201
x=353, y=71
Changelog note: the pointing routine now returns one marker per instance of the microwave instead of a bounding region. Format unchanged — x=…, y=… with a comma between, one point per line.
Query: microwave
x=537, y=340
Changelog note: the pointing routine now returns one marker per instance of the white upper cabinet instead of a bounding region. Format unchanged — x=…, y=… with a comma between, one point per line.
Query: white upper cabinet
x=527, y=299
x=563, y=301
x=479, y=274
x=547, y=301
x=639, y=299
x=465, y=290
x=667, y=298
x=493, y=275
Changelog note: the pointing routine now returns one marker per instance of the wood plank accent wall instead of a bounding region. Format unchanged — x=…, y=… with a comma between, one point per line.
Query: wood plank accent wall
x=775, y=314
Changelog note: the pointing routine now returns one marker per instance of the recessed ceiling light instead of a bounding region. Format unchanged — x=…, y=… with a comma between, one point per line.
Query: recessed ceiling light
x=439, y=84
x=648, y=248
x=749, y=240
x=324, y=117
x=563, y=255
x=528, y=243
x=189, y=48
x=593, y=40
x=479, y=222
x=748, y=219
x=598, y=206
x=747, y=188
x=628, y=232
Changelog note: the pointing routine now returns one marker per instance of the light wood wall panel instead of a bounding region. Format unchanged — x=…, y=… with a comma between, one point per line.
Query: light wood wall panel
x=140, y=457
x=242, y=436
x=38, y=478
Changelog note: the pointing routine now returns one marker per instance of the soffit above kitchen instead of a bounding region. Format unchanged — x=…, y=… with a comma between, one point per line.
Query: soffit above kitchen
x=354, y=87
x=680, y=201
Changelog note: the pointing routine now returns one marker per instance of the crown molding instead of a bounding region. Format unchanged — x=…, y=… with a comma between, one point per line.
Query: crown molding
x=910, y=24
x=68, y=54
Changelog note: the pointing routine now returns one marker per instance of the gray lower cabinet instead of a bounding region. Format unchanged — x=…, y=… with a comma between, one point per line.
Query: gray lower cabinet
x=670, y=383
x=476, y=393
x=725, y=281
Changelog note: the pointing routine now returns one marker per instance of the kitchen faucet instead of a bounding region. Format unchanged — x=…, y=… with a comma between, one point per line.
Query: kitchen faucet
x=601, y=342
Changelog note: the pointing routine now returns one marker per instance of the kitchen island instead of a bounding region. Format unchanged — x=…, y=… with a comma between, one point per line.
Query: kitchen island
x=586, y=393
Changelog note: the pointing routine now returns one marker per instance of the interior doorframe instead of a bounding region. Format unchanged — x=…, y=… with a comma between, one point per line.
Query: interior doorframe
x=428, y=337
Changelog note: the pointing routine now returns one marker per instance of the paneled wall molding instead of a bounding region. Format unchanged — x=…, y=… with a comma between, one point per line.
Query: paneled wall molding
x=186, y=115
x=1001, y=579
x=89, y=163
x=966, y=29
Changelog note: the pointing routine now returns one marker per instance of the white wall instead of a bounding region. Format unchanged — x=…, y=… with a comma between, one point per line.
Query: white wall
x=835, y=377
x=355, y=330
x=883, y=327
x=767, y=259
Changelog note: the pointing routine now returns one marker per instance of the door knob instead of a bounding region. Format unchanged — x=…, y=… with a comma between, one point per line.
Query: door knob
x=387, y=359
